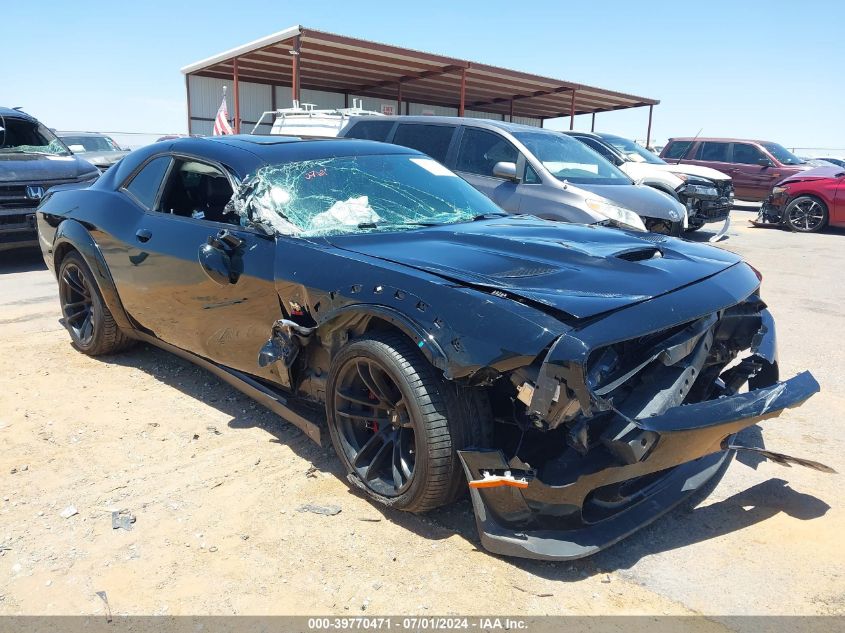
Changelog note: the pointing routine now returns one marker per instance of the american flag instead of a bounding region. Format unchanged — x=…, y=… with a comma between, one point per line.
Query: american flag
x=221, y=121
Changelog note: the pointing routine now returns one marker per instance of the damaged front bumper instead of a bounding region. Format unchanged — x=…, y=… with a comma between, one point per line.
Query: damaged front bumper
x=770, y=214
x=561, y=522
x=640, y=436
x=706, y=204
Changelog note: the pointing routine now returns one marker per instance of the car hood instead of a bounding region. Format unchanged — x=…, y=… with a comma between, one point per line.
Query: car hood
x=576, y=269
x=103, y=159
x=42, y=167
x=694, y=170
x=641, y=199
x=819, y=173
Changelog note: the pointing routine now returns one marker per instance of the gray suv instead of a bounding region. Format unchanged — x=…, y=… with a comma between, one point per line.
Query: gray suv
x=32, y=160
x=529, y=170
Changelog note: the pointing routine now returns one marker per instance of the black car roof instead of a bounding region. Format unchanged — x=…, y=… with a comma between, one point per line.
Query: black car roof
x=285, y=148
x=244, y=153
x=11, y=112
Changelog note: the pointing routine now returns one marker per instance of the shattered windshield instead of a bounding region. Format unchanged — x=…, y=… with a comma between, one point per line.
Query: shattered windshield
x=22, y=136
x=357, y=194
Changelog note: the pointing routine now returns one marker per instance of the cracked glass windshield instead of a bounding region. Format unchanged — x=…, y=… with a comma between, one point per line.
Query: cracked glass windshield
x=28, y=137
x=357, y=194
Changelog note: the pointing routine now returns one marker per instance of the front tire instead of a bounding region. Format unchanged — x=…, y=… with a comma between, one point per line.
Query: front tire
x=85, y=315
x=806, y=214
x=396, y=424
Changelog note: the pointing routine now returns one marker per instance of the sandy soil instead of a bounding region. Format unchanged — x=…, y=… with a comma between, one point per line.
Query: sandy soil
x=215, y=481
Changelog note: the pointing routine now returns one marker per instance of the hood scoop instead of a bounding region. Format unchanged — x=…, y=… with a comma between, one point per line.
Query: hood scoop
x=640, y=254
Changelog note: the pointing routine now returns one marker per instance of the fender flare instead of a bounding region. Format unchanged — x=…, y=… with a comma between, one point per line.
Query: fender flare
x=72, y=234
x=424, y=341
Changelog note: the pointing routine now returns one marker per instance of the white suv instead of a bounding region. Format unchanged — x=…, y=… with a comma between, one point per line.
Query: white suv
x=707, y=194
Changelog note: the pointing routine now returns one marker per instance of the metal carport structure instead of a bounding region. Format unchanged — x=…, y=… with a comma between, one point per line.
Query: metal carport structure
x=311, y=63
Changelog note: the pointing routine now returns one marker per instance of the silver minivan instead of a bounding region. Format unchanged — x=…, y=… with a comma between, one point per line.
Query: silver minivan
x=530, y=170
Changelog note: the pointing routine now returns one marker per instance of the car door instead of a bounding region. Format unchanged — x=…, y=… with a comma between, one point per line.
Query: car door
x=187, y=272
x=717, y=154
x=478, y=152
x=756, y=178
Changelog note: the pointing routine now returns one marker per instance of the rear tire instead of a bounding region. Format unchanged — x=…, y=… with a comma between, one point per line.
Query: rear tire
x=806, y=214
x=84, y=313
x=396, y=423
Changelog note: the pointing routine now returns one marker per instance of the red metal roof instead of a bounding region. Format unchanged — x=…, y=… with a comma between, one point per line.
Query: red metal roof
x=359, y=67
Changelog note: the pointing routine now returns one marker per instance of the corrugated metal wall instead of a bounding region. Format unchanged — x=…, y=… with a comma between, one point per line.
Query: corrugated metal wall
x=255, y=99
x=207, y=92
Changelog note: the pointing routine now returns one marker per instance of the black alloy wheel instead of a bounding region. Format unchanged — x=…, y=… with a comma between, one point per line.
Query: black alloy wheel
x=375, y=427
x=77, y=304
x=396, y=423
x=86, y=316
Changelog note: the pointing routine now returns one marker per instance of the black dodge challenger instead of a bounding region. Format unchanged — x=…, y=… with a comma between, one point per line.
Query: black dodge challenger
x=580, y=380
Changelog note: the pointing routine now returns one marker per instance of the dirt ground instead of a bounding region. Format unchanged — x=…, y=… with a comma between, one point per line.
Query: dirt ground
x=215, y=482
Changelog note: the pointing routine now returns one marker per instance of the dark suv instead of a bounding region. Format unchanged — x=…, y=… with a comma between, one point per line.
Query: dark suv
x=755, y=166
x=32, y=159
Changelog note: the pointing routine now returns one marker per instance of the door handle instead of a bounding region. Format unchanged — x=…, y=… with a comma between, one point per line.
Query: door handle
x=143, y=235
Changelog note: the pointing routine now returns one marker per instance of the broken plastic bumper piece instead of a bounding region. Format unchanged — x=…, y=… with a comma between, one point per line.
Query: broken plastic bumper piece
x=577, y=512
x=494, y=479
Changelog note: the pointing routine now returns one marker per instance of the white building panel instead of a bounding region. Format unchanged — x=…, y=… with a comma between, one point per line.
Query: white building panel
x=321, y=99
x=207, y=92
x=422, y=108
x=478, y=114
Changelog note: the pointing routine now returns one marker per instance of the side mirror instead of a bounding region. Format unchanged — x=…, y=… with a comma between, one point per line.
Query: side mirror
x=765, y=162
x=505, y=170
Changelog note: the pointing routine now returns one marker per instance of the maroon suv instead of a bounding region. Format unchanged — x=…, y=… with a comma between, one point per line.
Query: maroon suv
x=755, y=166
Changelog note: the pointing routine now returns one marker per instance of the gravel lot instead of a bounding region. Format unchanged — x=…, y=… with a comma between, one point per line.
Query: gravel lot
x=215, y=483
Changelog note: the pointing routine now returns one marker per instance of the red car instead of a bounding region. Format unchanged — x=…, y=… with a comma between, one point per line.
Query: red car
x=807, y=201
x=755, y=166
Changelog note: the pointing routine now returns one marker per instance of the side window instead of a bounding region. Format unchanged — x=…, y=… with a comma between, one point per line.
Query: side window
x=145, y=185
x=481, y=150
x=598, y=147
x=677, y=149
x=714, y=151
x=370, y=130
x=531, y=176
x=429, y=139
x=199, y=191
x=746, y=154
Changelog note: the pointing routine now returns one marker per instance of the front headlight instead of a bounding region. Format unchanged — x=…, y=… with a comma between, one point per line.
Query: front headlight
x=778, y=190
x=700, y=190
x=625, y=218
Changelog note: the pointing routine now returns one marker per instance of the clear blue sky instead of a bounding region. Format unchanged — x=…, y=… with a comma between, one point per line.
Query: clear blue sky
x=749, y=68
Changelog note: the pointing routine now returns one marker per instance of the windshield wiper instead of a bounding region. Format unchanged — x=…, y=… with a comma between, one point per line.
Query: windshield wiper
x=376, y=225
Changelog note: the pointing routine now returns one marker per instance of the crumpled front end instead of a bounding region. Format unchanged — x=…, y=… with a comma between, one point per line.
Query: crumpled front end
x=706, y=200
x=620, y=421
x=772, y=209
